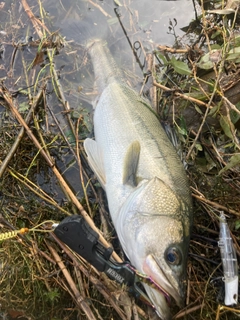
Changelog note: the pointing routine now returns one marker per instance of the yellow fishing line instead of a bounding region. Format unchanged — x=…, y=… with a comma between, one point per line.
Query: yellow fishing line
x=14, y=233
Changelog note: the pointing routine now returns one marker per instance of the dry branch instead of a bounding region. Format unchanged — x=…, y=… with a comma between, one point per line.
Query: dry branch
x=7, y=97
x=216, y=205
x=36, y=22
x=11, y=153
x=101, y=287
x=181, y=95
x=79, y=299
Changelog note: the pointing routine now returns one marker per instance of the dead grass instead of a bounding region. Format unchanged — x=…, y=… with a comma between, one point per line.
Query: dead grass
x=41, y=149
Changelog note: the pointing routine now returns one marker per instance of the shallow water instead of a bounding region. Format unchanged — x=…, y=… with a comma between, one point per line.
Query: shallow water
x=143, y=22
x=148, y=22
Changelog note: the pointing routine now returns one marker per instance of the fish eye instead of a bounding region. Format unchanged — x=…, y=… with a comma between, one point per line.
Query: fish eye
x=173, y=256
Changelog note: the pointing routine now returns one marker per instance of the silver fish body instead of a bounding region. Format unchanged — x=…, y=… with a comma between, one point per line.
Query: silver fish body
x=145, y=182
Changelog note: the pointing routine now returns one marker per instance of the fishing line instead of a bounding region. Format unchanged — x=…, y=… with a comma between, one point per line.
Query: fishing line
x=15, y=233
x=129, y=41
x=136, y=46
x=150, y=282
x=140, y=277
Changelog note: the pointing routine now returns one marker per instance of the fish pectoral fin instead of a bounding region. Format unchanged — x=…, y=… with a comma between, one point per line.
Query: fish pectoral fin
x=130, y=165
x=95, y=160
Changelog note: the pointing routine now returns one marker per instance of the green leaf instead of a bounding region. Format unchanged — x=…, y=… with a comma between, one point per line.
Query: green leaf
x=23, y=91
x=213, y=112
x=182, y=130
x=207, y=61
x=196, y=94
x=162, y=57
x=234, y=160
x=52, y=295
x=215, y=34
x=70, y=137
x=198, y=109
x=210, y=162
x=227, y=126
x=198, y=146
x=236, y=40
x=237, y=224
x=24, y=106
x=180, y=66
x=235, y=116
x=233, y=54
x=112, y=21
x=215, y=46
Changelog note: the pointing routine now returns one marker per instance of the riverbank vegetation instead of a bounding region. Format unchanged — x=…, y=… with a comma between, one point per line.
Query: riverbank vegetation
x=45, y=115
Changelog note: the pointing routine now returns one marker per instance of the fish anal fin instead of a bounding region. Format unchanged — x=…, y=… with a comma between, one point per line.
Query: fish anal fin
x=95, y=160
x=130, y=165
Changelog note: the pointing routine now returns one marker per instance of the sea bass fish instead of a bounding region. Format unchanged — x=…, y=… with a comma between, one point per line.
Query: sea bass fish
x=145, y=182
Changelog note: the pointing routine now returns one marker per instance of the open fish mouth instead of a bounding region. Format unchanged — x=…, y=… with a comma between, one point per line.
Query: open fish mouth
x=164, y=290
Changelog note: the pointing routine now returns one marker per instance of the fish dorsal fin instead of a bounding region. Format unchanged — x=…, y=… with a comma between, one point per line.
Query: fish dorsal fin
x=95, y=159
x=130, y=164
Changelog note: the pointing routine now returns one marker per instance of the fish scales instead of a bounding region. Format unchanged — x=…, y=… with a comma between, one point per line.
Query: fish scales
x=145, y=182
x=119, y=109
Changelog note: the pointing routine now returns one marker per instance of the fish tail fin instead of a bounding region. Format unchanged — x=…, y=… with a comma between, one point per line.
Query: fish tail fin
x=93, y=34
x=86, y=31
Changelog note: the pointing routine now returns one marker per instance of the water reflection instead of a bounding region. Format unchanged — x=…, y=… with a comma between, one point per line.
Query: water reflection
x=135, y=24
x=145, y=21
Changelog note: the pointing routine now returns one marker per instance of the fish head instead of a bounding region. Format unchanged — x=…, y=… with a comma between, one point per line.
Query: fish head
x=154, y=228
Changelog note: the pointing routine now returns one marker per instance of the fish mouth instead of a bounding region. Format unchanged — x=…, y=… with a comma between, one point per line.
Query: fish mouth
x=164, y=288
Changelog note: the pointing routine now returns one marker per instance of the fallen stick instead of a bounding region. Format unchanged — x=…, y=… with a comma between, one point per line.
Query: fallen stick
x=14, y=147
x=79, y=299
x=7, y=97
x=36, y=22
x=181, y=95
x=101, y=287
x=216, y=205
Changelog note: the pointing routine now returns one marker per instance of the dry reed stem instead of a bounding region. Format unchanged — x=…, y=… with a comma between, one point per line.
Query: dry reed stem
x=231, y=105
x=36, y=189
x=172, y=50
x=100, y=9
x=100, y=286
x=48, y=160
x=7, y=97
x=82, y=304
x=80, y=281
x=14, y=147
x=36, y=22
x=76, y=153
x=221, y=308
x=215, y=204
x=80, y=167
x=187, y=311
x=65, y=104
x=181, y=95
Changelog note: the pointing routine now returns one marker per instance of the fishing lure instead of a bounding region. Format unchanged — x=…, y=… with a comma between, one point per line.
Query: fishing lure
x=229, y=261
